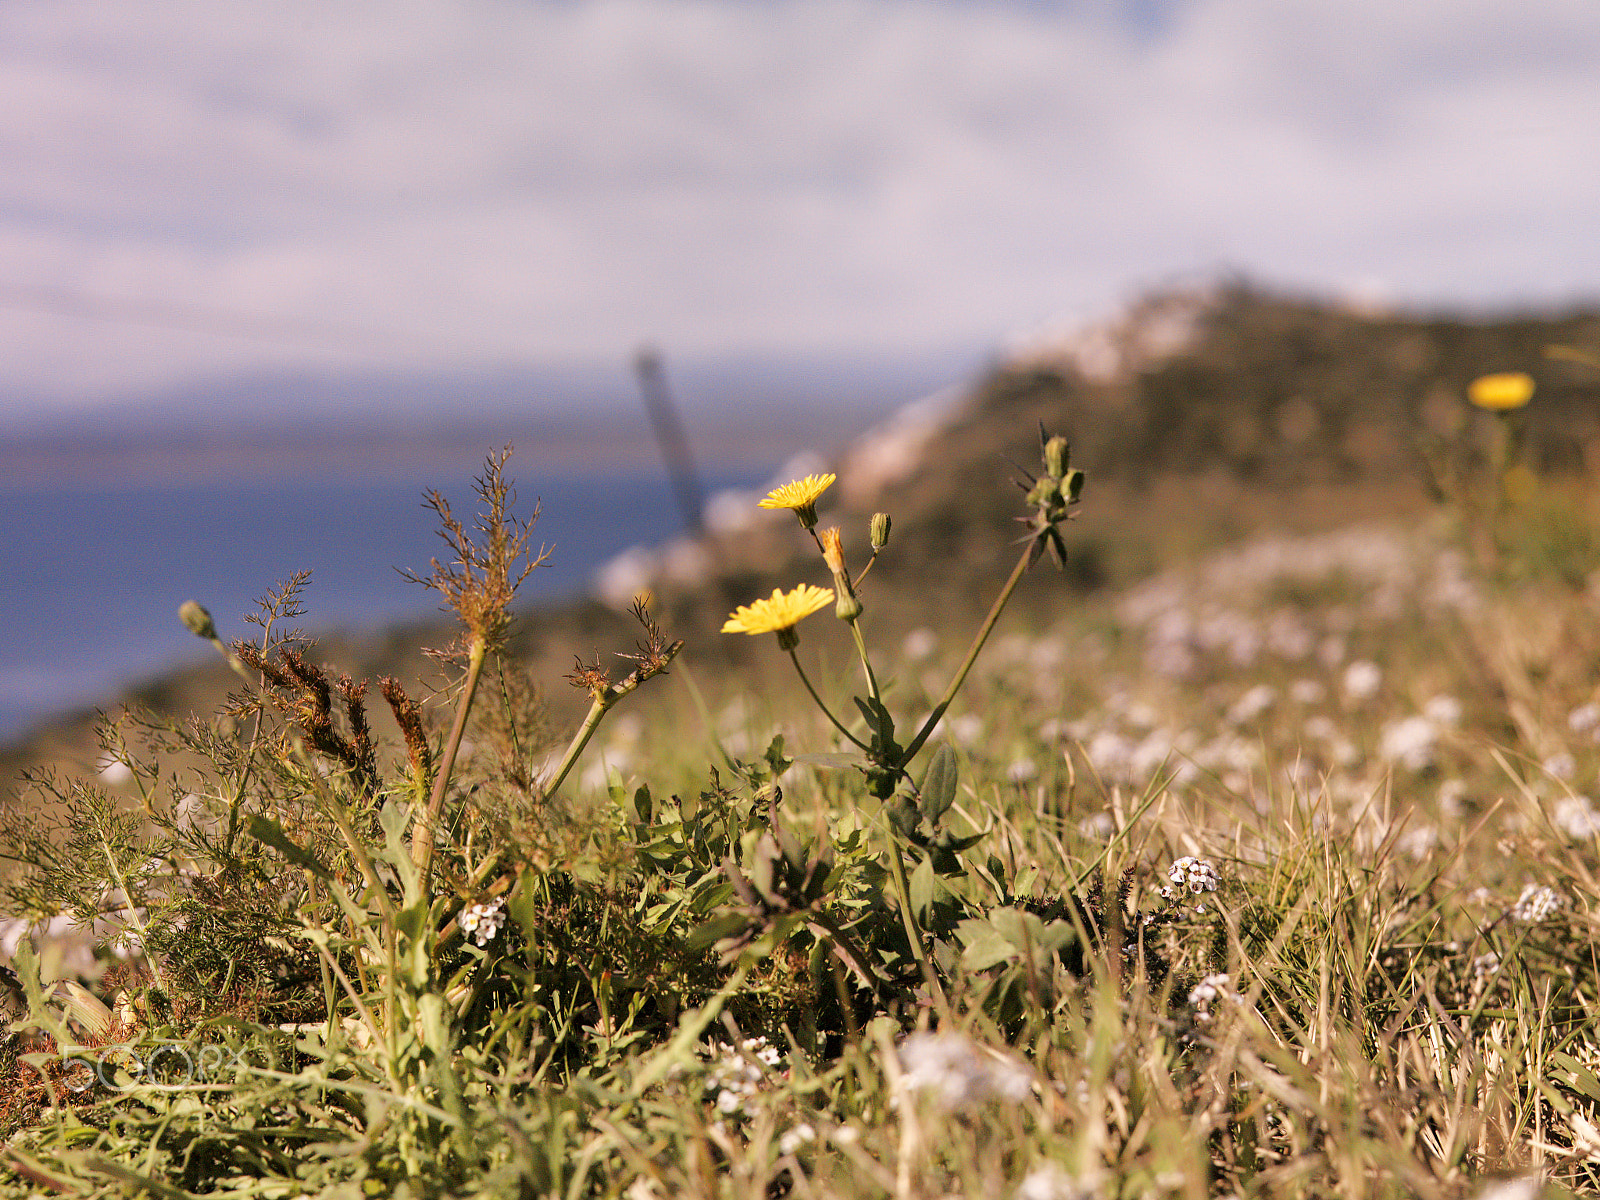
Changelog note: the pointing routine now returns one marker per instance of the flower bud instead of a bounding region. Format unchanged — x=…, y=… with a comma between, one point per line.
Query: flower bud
x=847, y=607
x=198, y=620
x=1071, y=486
x=1057, y=456
x=833, y=551
x=880, y=531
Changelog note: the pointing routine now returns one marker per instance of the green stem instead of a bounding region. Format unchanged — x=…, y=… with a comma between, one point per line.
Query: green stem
x=422, y=832
x=604, y=699
x=995, y=610
x=602, y=703
x=865, y=569
x=866, y=665
x=825, y=710
x=902, y=889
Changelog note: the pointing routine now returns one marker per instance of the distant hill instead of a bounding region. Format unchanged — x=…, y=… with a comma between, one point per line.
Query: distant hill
x=1265, y=393
x=1200, y=415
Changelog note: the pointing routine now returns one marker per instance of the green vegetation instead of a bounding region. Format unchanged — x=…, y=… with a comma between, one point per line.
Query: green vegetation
x=1271, y=877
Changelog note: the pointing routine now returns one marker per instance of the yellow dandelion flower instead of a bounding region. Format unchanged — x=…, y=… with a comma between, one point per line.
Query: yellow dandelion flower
x=1502, y=391
x=801, y=496
x=779, y=613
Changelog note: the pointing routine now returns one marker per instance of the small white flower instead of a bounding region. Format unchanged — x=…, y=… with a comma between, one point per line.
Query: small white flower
x=1208, y=991
x=1022, y=770
x=1307, y=691
x=1443, y=710
x=1512, y=1189
x=1536, y=903
x=1050, y=1181
x=1584, y=718
x=1562, y=765
x=1485, y=965
x=967, y=728
x=1576, y=817
x=1409, y=743
x=483, y=921
x=957, y=1073
x=919, y=644
x=1362, y=679
x=114, y=772
x=1252, y=704
x=1196, y=874
x=794, y=1138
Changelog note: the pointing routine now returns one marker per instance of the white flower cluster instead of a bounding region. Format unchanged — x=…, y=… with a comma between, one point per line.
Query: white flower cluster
x=958, y=1073
x=1052, y=1182
x=738, y=1075
x=1209, y=989
x=1576, y=817
x=1196, y=874
x=482, y=922
x=1536, y=903
x=795, y=1137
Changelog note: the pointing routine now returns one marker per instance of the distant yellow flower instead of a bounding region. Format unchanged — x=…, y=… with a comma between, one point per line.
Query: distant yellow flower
x=1501, y=392
x=779, y=613
x=801, y=496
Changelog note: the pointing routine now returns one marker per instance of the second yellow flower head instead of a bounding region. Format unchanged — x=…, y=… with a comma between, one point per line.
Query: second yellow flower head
x=779, y=613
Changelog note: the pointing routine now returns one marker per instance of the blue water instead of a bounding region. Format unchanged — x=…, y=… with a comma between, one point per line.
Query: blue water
x=93, y=579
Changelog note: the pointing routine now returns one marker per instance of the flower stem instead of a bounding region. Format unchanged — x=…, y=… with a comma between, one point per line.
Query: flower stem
x=597, y=711
x=982, y=636
x=422, y=832
x=825, y=710
x=866, y=665
x=908, y=918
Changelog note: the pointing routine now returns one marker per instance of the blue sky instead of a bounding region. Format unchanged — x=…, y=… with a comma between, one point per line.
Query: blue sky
x=198, y=191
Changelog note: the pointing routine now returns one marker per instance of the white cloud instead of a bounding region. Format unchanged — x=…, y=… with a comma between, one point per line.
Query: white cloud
x=498, y=181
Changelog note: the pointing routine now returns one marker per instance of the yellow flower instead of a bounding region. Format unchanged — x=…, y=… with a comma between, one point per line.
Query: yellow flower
x=779, y=613
x=801, y=496
x=1501, y=392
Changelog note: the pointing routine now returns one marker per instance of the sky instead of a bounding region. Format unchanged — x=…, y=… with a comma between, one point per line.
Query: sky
x=196, y=194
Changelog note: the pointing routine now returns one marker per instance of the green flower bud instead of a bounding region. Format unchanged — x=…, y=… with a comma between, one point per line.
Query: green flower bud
x=198, y=620
x=880, y=530
x=1057, y=456
x=1071, y=486
x=847, y=607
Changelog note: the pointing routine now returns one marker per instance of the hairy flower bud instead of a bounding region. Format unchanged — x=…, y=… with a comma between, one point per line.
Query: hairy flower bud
x=198, y=620
x=880, y=531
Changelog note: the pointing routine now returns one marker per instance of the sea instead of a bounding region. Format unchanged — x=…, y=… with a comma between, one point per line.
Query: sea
x=95, y=575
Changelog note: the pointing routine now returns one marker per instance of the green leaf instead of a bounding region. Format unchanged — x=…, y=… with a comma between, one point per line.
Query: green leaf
x=642, y=804
x=877, y=718
x=775, y=759
x=714, y=930
x=939, y=784
x=270, y=833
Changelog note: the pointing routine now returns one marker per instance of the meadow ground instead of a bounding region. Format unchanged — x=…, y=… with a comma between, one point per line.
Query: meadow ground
x=1271, y=874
